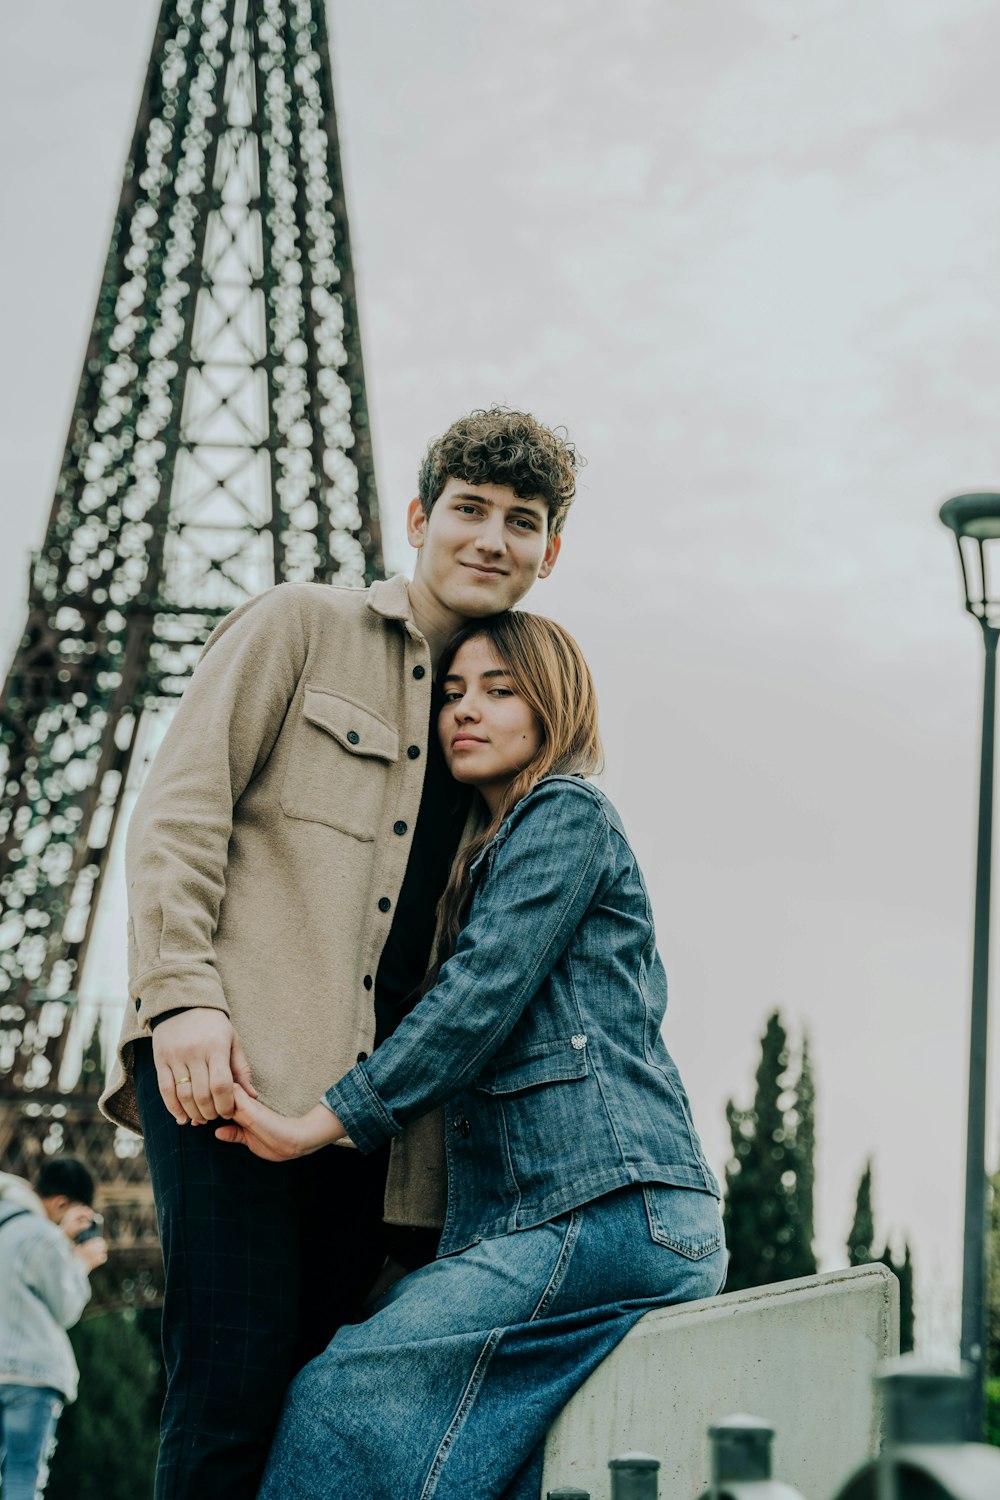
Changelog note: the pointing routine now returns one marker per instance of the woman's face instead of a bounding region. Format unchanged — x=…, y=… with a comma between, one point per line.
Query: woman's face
x=488, y=732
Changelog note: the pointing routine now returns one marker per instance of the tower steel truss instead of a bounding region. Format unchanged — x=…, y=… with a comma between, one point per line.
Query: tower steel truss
x=219, y=443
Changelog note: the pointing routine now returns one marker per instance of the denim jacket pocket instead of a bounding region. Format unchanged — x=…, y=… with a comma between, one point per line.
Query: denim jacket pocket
x=683, y=1219
x=530, y=1067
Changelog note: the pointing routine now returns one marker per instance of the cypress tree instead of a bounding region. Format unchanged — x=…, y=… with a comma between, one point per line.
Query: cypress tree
x=770, y=1174
x=861, y=1252
x=903, y=1271
x=861, y=1240
x=905, y=1274
x=805, y=1149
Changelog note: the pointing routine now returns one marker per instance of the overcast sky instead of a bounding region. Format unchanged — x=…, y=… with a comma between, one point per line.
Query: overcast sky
x=747, y=253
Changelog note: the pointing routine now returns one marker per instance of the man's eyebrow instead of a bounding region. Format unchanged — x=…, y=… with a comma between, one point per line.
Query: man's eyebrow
x=525, y=508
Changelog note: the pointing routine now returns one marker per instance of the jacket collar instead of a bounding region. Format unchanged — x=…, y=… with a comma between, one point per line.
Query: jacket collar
x=390, y=598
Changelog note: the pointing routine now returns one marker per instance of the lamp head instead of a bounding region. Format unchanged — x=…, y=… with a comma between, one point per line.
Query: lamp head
x=975, y=520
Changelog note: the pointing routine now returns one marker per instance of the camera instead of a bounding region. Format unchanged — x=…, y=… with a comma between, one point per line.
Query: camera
x=93, y=1230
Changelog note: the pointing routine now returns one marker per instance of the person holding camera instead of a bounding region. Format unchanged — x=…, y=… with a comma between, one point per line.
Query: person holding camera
x=50, y=1242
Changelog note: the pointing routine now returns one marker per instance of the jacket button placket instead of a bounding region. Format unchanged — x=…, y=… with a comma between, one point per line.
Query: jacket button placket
x=400, y=827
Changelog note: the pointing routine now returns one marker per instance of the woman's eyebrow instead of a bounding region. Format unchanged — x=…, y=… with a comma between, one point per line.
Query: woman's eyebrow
x=493, y=672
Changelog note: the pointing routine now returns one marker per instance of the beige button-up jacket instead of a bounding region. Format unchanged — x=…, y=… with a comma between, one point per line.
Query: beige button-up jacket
x=263, y=856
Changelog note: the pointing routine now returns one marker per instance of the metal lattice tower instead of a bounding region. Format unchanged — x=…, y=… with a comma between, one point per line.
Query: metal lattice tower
x=219, y=443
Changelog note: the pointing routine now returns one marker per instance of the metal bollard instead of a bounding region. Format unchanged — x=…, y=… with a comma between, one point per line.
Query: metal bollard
x=922, y=1404
x=923, y=1455
x=741, y=1449
x=741, y=1462
x=635, y=1476
x=569, y=1494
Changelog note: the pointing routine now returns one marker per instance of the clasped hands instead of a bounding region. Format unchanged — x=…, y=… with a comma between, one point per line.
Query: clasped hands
x=203, y=1075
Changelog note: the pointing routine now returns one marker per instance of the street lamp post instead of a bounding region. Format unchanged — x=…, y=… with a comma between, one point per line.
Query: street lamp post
x=975, y=520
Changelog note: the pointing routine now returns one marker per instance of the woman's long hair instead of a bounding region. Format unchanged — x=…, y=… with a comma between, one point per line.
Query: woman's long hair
x=549, y=672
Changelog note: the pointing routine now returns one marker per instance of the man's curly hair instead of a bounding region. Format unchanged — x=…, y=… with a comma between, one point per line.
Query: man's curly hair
x=504, y=447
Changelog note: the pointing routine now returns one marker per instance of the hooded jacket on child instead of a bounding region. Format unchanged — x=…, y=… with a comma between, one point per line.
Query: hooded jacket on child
x=43, y=1291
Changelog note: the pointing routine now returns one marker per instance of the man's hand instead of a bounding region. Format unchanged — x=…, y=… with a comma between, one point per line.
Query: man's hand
x=276, y=1137
x=198, y=1059
x=92, y=1253
x=76, y=1217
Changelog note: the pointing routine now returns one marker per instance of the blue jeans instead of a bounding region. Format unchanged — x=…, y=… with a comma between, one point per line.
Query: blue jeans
x=449, y=1388
x=28, y=1417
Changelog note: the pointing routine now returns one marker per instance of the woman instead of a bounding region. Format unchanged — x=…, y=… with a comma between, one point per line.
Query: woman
x=578, y=1194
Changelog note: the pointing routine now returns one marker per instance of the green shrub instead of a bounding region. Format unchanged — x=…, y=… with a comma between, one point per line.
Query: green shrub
x=992, y=1420
x=106, y=1441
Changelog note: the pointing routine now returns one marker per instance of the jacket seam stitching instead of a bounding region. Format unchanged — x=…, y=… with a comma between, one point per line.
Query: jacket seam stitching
x=474, y=1384
x=458, y=1420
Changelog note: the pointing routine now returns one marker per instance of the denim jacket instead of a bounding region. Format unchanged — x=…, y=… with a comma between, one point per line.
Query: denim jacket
x=542, y=1033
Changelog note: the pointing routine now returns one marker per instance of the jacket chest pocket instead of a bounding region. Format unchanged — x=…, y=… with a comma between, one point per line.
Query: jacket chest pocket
x=339, y=765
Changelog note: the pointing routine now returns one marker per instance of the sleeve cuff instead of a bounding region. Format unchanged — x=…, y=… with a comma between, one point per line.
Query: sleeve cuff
x=160, y=991
x=361, y=1112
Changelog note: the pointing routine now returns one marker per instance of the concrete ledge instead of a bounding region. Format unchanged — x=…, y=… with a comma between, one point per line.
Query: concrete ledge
x=800, y=1353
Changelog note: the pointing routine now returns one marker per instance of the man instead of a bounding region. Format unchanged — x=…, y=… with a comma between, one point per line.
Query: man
x=43, y=1290
x=284, y=863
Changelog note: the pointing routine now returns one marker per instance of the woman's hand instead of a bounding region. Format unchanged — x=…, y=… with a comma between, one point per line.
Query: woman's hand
x=277, y=1137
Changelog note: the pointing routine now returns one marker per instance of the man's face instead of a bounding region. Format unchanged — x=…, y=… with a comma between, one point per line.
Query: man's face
x=481, y=548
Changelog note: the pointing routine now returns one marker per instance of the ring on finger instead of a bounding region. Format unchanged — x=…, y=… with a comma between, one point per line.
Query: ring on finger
x=179, y=1081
